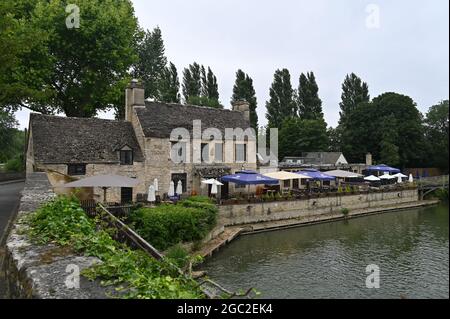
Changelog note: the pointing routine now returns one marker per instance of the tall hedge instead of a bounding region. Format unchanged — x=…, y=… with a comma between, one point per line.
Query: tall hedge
x=167, y=225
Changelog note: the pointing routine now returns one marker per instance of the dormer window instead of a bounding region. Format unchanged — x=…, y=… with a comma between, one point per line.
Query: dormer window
x=126, y=156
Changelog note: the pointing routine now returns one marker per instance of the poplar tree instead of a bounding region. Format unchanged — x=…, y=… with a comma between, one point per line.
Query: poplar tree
x=200, y=86
x=354, y=92
x=152, y=62
x=308, y=100
x=281, y=104
x=169, y=85
x=243, y=90
x=192, y=84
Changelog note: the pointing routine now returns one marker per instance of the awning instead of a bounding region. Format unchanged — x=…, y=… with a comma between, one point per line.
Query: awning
x=343, y=174
x=284, y=176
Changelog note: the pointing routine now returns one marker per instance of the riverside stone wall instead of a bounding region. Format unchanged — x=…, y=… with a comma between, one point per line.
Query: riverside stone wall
x=283, y=210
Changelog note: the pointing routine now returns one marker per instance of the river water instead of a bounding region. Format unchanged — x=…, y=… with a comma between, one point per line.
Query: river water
x=410, y=248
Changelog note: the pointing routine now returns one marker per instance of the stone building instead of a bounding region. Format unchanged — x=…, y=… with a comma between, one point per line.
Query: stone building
x=323, y=161
x=168, y=142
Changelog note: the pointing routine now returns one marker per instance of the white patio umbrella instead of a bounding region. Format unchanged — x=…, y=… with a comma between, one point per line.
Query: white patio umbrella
x=212, y=181
x=387, y=176
x=156, y=185
x=400, y=175
x=371, y=178
x=105, y=182
x=179, y=190
x=151, y=194
x=171, y=192
x=411, y=178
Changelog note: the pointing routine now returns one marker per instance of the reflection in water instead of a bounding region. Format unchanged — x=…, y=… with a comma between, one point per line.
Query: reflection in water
x=329, y=260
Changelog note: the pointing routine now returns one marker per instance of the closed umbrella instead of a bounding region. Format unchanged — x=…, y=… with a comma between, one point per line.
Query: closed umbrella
x=179, y=190
x=171, y=192
x=156, y=185
x=399, y=180
x=151, y=194
x=214, y=189
x=411, y=178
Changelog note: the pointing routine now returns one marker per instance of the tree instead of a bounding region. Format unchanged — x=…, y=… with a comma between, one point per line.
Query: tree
x=192, y=84
x=281, y=104
x=7, y=128
x=308, y=101
x=354, y=92
x=169, y=85
x=75, y=70
x=437, y=135
x=298, y=135
x=366, y=126
x=243, y=90
x=210, y=89
x=17, y=38
x=152, y=62
x=335, y=139
x=389, y=151
x=200, y=87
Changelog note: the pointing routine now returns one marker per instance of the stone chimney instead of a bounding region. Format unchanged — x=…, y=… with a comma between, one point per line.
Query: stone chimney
x=134, y=97
x=368, y=159
x=242, y=106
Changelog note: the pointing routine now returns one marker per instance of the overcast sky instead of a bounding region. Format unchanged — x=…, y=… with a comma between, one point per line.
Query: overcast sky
x=406, y=50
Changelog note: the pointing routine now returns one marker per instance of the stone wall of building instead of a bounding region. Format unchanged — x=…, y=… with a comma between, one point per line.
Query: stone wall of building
x=283, y=210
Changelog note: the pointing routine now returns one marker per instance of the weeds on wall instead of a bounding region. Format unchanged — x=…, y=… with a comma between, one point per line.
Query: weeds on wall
x=133, y=273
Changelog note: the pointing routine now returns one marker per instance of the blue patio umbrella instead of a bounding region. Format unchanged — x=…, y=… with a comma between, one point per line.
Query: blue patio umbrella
x=382, y=168
x=317, y=175
x=249, y=178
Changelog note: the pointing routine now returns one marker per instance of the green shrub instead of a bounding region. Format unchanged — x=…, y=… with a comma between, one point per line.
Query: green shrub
x=345, y=211
x=15, y=165
x=133, y=272
x=167, y=225
x=178, y=255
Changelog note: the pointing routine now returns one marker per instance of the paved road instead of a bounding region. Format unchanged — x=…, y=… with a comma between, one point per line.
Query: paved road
x=9, y=198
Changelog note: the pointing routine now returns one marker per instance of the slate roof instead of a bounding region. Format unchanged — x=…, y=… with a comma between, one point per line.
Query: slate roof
x=159, y=119
x=62, y=140
x=327, y=158
x=316, y=158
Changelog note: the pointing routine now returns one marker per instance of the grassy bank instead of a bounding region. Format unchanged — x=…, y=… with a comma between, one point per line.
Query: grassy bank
x=133, y=273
